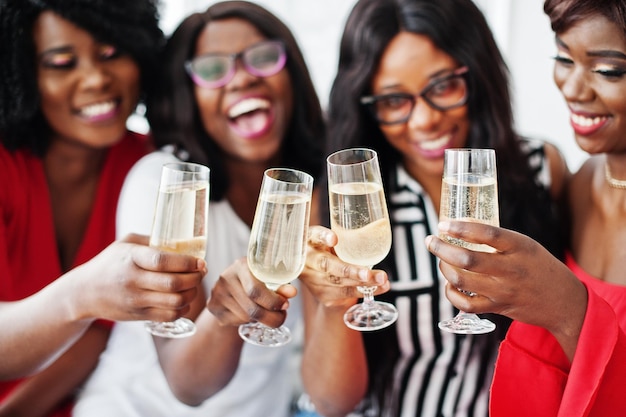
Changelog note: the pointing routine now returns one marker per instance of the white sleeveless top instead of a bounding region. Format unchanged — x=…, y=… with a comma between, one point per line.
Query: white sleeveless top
x=128, y=381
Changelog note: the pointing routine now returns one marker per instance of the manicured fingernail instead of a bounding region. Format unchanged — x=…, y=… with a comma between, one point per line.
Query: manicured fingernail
x=380, y=278
x=201, y=265
x=285, y=306
x=443, y=226
x=363, y=274
x=427, y=241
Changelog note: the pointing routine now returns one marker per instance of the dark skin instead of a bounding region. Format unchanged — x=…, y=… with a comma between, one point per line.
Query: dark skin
x=87, y=91
x=72, y=166
x=72, y=192
x=135, y=282
x=330, y=288
x=237, y=297
x=508, y=284
x=422, y=141
x=591, y=55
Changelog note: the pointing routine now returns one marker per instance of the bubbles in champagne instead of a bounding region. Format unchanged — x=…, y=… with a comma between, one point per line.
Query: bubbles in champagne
x=194, y=247
x=276, y=252
x=470, y=197
x=179, y=222
x=360, y=220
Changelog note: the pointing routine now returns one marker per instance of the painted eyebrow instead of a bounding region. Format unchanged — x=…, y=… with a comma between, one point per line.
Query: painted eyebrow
x=432, y=77
x=560, y=43
x=609, y=53
x=603, y=53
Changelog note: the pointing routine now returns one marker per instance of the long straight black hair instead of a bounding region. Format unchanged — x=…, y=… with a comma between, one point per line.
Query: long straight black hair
x=458, y=28
x=173, y=112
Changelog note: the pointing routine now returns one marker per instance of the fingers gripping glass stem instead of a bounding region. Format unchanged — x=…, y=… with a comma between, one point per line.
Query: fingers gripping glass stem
x=277, y=246
x=469, y=193
x=360, y=219
x=180, y=226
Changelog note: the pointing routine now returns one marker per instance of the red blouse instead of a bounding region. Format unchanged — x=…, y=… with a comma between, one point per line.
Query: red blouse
x=29, y=256
x=533, y=376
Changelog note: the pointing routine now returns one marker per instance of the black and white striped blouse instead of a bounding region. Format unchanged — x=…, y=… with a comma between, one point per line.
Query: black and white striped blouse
x=417, y=369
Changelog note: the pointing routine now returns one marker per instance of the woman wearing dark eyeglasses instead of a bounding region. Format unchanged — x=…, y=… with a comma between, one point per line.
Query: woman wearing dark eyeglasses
x=234, y=94
x=417, y=77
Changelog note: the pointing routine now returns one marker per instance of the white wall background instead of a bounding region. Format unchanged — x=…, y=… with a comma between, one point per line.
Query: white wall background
x=520, y=27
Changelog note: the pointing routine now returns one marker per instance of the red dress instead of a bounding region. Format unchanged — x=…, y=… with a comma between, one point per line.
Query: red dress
x=533, y=376
x=29, y=256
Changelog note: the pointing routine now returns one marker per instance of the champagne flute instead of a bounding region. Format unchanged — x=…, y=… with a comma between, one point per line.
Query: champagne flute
x=359, y=217
x=180, y=226
x=470, y=193
x=277, y=246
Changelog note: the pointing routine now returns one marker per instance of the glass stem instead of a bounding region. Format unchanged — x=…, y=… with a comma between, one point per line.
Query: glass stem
x=368, y=294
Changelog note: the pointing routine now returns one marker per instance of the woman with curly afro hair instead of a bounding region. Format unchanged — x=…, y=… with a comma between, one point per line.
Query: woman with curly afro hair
x=72, y=72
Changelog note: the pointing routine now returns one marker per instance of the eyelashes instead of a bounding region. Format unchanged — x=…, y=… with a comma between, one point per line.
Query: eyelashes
x=60, y=60
x=69, y=59
x=611, y=73
x=607, y=71
x=562, y=60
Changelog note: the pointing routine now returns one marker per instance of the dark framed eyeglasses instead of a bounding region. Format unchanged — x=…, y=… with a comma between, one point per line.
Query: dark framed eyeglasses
x=215, y=70
x=443, y=93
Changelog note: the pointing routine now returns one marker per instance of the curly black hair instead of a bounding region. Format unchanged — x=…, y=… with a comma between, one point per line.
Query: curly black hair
x=173, y=113
x=131, y=25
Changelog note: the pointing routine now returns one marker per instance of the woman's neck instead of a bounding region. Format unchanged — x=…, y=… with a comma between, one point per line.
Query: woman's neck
x=245, y=180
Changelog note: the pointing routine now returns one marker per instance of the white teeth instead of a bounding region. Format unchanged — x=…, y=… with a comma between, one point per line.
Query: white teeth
x=586, y=121
x=97, y=109
x=430, y=145
x=248, y=105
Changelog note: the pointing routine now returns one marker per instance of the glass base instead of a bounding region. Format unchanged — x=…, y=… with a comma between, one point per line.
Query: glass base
x=181, y=327
x=370, y=316
x=467, y=323
x=262, y=335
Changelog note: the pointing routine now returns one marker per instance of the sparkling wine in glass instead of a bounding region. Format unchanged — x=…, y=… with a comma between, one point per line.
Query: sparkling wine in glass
x=359, y=218
x=470, y=193
x=180, y=226
x=277, y=247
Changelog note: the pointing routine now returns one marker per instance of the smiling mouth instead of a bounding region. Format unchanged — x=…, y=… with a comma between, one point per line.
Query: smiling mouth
x=431, y=145
x=99, y=111
x=248, y=106
x=587, y=121
x=587, y=125
x=251, y=117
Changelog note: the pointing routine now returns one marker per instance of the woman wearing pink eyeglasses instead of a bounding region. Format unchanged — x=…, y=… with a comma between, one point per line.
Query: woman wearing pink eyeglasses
x=235, y=95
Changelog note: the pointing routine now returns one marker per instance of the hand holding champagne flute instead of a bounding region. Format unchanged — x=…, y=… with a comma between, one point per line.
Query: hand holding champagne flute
x=277, y=248
x=359, y=218
x=470, y=193
x=180, y=225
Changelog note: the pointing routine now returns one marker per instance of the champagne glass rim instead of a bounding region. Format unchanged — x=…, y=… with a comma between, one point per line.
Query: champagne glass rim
x=301, y=176
x=367, y=156
x=183, y=166
x=470, y=150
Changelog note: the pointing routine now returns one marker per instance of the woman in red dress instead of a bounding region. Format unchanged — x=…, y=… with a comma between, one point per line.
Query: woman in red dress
x=71, y=75
x=565, y=353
